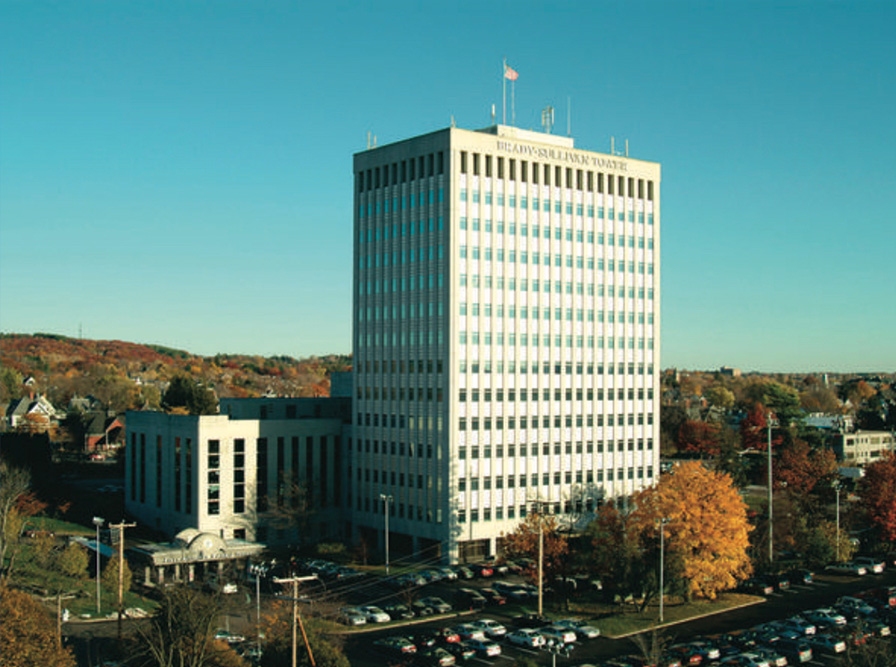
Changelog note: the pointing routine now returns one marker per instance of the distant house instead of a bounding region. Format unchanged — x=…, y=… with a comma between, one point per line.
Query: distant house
x=36, y=410
x=102, y=432
x=862, y=447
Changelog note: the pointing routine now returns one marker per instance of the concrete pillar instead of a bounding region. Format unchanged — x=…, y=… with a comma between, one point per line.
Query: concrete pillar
x=492, y=546
x=191, y=573
x=220, y=568
x=161, y=574
x=177, y=572
x=147, y=575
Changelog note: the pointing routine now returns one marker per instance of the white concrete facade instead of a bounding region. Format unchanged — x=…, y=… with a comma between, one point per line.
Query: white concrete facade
x=226, y=475
x=506, y=334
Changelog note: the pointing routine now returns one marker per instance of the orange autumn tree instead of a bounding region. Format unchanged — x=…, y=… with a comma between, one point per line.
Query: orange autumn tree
x=878, y=491
x=523, y=542
x=707, y=534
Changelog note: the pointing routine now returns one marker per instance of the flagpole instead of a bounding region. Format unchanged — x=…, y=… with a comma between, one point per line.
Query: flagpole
x=504, y=92
x=513, y=102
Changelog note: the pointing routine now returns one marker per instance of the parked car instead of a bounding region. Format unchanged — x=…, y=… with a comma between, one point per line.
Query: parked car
x=398, y=612
x=527, y=637
x=482, y=569
x=801, y=576
x=771, y=656
x=798, y=625
x=872, y=564
x=685, y=654
x=468, y=631
x=824, y=616
x=492, y=596
x=582, y=629
x=435, y=657
x=558, y=634
x=460, y=651
x=445, y=636
x=757, y=586
x=492, y=629
x=436, y=604
x=396, y=645
x=351, y=616
x=779, y=581
x=847, y=568
x=706, y=650
x=851, y=606
x=230, y=637
x=448, y=573
x=467, y=598
x=531, y=621
x=485, y=648
x=374, y=614
x=795, y=649
x=823, y=643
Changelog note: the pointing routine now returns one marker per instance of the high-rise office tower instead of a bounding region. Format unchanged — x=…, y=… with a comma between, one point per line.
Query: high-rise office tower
x=506, y=336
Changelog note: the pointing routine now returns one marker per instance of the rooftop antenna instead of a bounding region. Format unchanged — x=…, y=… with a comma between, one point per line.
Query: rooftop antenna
x=374, y=141
x=368, y=139
x=453, y=124
x=612, y=145
x=493, y=114
x=626, y=148
x=568, y=116
x=547, y=118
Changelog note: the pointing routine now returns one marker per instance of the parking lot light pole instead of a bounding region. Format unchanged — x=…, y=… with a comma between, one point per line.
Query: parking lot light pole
x=98, y=521
x=837, y=492
x=386, y=500
x=663, y=522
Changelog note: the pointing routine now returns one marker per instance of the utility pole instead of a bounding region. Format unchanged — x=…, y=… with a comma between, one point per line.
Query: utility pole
x=121, y=526
x=837, y=491
x=386, y=500
x=98, y=522
x=296, y=617
x=663, y=522
x=59, y=598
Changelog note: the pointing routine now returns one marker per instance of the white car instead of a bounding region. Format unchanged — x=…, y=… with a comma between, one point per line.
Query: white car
x=824, y=616
x=491, y=628
x=374, y=614
x=558, y=634
x=847, y=568
x=753, y=660
x=874, y=565
x=580, y=627
x=525, y=637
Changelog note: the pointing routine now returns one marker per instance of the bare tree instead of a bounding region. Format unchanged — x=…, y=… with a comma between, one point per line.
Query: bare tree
x=14, y=484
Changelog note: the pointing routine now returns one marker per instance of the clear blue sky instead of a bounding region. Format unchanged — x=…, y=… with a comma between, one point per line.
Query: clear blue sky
x=180, y=172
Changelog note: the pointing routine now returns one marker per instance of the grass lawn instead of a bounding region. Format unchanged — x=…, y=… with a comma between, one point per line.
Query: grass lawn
x=58, y=526
x=615, y=622
x=47, y=582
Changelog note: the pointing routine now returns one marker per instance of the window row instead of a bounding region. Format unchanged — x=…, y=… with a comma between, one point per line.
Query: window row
x=578, y=236
x=512, y=283
x=559, y=341
x=544, y=422
x=490, y=166
x=422, y=166
x=486, y=395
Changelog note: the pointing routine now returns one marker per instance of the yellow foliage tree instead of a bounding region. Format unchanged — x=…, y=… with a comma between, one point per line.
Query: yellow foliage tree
x=707, y=534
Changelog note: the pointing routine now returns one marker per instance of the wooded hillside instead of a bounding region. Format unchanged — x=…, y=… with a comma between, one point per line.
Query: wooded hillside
x=126, y=375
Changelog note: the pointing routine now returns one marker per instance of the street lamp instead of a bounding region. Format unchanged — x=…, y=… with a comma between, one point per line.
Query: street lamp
x=837, y=492
x=386, y=500
x=98, y=521
x=663, y=522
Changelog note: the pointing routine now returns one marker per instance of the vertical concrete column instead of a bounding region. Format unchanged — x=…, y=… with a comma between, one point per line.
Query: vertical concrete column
x=147, y=575
x=191, y=573
x=161, y=574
